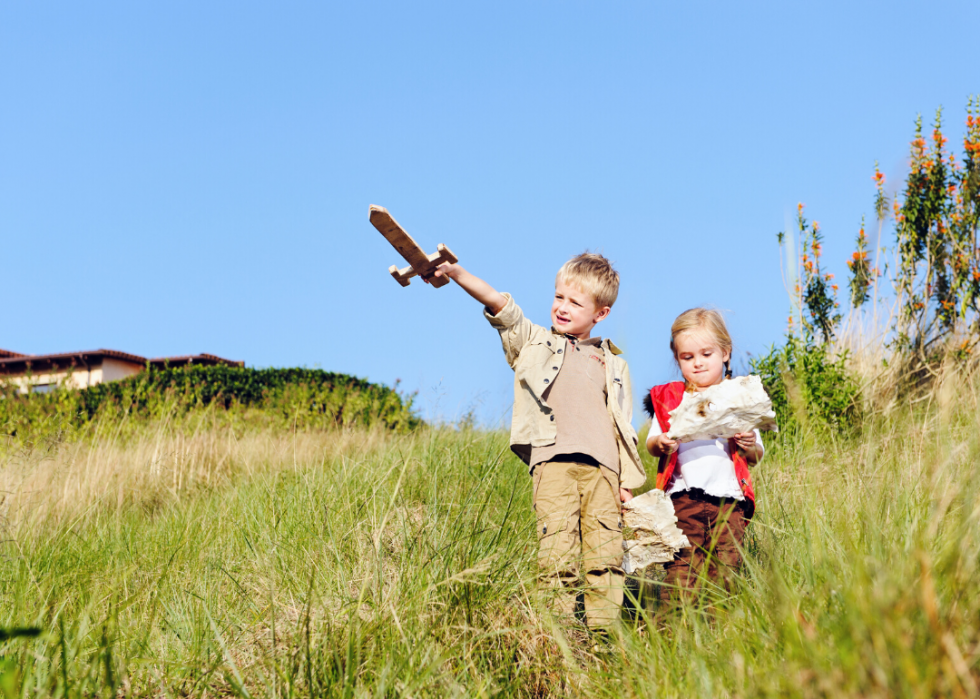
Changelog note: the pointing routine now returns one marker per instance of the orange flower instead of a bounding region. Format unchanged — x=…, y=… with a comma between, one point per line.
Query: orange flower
x=834, y=287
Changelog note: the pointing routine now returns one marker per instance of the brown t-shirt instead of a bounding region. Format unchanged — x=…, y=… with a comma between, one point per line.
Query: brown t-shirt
x=578, y=398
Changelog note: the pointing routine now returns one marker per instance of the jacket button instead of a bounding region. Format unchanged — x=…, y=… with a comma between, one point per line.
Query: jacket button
x=554, y=368
x=546, y=380
x=559, y=351
x=549, y=343
x=552, y=418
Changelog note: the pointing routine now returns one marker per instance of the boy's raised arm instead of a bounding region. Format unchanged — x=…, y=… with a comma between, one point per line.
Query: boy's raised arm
x=515, y=330
x=474, y=286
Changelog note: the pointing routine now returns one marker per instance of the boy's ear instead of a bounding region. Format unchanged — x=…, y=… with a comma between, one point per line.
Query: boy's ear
x=601, y=314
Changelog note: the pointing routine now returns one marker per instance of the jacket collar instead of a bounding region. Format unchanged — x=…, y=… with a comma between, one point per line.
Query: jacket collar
x=606, y=344
x=613, y=349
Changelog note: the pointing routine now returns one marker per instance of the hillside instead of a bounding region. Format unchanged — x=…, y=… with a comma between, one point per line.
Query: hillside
x=204, y=556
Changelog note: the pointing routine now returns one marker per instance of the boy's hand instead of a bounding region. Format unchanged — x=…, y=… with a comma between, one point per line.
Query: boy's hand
x=625, y=494
x=446, y=270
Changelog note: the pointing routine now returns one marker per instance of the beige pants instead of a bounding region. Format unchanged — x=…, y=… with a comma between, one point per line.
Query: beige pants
x=580, y=531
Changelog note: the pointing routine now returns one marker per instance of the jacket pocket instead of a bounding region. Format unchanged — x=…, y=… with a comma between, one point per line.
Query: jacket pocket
x=619, y=393
x=537, y=368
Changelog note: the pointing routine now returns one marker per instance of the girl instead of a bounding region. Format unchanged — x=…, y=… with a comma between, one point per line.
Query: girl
x=707, y=479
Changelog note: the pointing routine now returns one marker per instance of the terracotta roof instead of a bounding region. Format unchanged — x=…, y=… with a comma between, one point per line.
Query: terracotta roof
x=203, y=359
x=12, y=363
x=7, y=353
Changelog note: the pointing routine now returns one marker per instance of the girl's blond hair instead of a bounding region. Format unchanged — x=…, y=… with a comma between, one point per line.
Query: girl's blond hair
x=705, y=319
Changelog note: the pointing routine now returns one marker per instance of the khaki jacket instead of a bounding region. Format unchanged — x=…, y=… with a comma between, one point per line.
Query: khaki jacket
x=536, y=354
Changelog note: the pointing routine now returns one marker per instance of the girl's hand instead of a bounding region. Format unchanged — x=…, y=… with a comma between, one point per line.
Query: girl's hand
x=748, y=446
x=662, y=445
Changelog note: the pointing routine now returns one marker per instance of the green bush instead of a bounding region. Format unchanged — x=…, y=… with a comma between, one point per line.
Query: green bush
x=808, y=386
x=297, y=398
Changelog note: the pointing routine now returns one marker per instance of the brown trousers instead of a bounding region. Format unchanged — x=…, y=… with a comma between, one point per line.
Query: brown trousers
x=715, y=527
x=580, y=532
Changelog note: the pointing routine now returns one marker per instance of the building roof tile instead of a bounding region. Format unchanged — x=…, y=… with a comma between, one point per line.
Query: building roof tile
x=14, y=363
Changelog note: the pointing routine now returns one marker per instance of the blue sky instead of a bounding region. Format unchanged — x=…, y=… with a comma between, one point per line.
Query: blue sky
x=195, y=177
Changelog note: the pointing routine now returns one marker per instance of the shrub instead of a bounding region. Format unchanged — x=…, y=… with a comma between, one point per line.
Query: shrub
x=808, y=386
x=297, y=398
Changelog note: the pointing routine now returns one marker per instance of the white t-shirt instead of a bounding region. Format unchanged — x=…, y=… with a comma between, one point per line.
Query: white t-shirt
x=706, y=464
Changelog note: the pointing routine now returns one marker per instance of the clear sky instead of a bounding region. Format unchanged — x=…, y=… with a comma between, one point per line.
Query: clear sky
x=189, y=177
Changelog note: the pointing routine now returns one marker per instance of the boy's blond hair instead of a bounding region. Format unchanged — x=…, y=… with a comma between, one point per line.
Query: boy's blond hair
x=705, y=319
x=594, y=275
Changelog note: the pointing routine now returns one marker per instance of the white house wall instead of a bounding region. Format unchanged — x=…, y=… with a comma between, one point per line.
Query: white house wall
x=79, y=377
x=115, y=369
x=108, y=369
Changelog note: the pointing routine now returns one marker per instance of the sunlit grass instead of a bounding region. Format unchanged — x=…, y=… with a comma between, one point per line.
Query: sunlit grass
x=197, y=560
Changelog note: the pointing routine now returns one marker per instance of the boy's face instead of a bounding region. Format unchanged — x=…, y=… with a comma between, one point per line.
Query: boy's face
x=701, y=360
x=574, y=312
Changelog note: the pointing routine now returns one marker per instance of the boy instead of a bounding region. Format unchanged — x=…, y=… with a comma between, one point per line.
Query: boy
x=572, y=426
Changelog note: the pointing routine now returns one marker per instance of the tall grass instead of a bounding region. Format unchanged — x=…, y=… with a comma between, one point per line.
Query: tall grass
x=197, y=560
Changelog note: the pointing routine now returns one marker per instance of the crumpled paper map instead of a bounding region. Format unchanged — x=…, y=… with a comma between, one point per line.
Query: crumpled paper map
x=723, y=410
x=651, y=516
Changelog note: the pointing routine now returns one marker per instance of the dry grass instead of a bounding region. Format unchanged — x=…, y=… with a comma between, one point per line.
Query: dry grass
x=161, y=463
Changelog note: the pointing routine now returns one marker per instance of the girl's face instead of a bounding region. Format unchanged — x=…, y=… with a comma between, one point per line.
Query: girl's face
x=701, y=360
